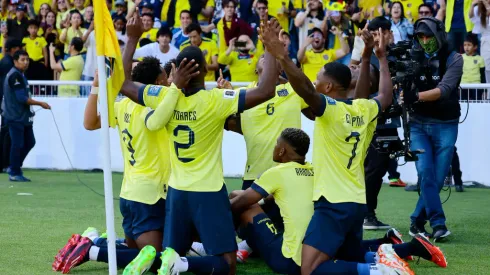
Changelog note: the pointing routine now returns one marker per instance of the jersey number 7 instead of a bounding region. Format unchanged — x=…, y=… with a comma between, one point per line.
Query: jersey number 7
x=357, y=136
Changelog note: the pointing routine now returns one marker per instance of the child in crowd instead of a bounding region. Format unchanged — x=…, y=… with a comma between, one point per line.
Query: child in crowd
x=473, y=69
x=38, y=54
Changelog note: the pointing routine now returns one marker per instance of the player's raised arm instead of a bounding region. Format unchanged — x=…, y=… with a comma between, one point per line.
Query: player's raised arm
x=363, y=82
x=134, y=30
x=299, y=81
x=385, y=94
x=91, y=118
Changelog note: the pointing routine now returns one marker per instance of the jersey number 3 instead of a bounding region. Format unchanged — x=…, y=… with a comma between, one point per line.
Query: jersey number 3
x=187, y=145
x=357, y=136
x=127, y=138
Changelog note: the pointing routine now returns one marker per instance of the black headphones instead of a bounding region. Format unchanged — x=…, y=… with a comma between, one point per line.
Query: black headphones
x=439, y=25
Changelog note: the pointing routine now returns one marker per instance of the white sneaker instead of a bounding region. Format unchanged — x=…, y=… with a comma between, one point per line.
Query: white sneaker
x=170, y=261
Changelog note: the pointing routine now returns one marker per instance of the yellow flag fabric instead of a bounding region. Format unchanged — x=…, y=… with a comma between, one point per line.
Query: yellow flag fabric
x=108, y=46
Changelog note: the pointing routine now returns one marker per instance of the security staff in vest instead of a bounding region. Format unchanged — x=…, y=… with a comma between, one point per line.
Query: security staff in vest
x=11, y=46
x=18, y=114
x=434, y=122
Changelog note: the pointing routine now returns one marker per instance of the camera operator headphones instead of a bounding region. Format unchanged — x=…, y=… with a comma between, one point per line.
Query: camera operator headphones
x=440, y=27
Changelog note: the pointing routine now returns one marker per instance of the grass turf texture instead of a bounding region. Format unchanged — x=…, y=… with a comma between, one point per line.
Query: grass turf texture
x=33, y=228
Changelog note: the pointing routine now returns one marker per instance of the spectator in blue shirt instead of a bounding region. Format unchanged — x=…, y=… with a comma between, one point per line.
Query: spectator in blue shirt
x=179, y=34
x=400, y=26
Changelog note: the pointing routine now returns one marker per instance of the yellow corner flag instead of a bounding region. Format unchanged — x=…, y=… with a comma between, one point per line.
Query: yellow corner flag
x=108, y=46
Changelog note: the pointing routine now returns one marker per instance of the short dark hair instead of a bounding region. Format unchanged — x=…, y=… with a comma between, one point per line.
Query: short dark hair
x=379, y=22
x=72, y=12
x=226, y=2
x=164, y=31
x=427, y=6
x=265, y=2
x=193, y=27
x=18, y=53
x=185, y=11
x=149, y=15
x=472, y=38
x=339, y=72
x=190, y=52
x=77, y=42
x=168, y=66
x=145, y=41
x=33, y=22
x=298, y=139
x=147, y=71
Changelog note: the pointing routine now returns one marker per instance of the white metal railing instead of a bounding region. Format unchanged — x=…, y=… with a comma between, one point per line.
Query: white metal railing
x=474, y=93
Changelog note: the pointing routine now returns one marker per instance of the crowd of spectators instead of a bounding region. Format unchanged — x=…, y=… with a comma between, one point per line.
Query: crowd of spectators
x=59, y=35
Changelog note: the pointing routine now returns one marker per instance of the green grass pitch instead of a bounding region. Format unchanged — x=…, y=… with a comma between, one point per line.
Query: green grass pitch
x=33, y=228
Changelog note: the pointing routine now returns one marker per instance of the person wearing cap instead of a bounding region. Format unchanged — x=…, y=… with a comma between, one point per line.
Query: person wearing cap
x=241, y=57
x=11, y=46
x=17, y=27
x=311, y=18
x=312, y=60
x=18, y=113
x=162, y=49
x=433, y=122
x=121, y=9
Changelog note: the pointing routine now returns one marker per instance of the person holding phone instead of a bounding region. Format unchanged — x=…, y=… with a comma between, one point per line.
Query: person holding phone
x=242, y=58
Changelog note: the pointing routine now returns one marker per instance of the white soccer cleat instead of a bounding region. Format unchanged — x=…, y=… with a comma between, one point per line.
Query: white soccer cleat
x=389, y=262
x=170, y=261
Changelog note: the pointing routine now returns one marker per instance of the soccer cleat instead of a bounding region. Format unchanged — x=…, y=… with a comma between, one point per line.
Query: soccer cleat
x=78, y=255
x=372, y=223
x=394, y=236
x=91, y=233
x=142, y=262
x=242, y=256
x=65, y=251
x=397, y=183
x=19, y=178
x=418, y=229
x=436, y=255
x=169, y=260
x=103, y=235
x=391, y=262
x=440, y=233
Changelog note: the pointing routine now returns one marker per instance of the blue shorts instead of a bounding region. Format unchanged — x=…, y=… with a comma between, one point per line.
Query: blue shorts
x=263, y=237
x=206, y=213
x=336, y=230
x=139, y=218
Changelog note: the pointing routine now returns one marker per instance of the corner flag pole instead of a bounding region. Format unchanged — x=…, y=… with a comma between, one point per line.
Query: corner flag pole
x=108, y=194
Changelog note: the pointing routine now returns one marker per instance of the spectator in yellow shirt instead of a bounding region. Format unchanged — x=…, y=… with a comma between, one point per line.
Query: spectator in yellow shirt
x=473, y=69
x=314, y=58
x=71, y=68
x=38, y=54
x=149, y=32
x=74, y=30
x=242, y=58
x=207, y=46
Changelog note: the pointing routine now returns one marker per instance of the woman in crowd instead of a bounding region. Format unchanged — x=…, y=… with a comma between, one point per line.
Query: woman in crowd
x=341, y=22
x=312, y=17
x=60, y=7
x=400, y=26
x=41, y=16
x=73, y=30
x=482, y=10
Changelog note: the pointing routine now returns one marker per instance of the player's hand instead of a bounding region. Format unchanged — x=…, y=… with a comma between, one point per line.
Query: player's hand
x=270, y=34
x=380, y=48
x=368, y=40
x=134, y=27
x=45, y=105
x=184, y=73
x=222, y=83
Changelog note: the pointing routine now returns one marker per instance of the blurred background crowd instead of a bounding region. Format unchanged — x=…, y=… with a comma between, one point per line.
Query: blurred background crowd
x=318, y=32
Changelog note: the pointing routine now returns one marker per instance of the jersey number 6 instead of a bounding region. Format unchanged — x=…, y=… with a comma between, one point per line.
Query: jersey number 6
x=355, y=135
x=187, y=145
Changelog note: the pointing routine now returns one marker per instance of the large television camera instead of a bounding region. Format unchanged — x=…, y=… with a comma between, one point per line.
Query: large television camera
x=406, y=64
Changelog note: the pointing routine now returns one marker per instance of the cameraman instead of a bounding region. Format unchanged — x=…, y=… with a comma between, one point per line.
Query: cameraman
x=433, y=122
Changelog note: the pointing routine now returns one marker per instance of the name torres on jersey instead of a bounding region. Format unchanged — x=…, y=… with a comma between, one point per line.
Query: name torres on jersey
x=185, y=116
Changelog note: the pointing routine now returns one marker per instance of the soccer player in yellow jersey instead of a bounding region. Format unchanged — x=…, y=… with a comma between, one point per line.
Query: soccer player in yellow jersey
x=197, y=199
x=343, y=129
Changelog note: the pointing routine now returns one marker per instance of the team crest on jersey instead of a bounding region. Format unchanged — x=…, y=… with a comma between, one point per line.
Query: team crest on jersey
x=475, y=61
x=331, y=101
x=283, y=92
x=229, y=94
x=154, y=90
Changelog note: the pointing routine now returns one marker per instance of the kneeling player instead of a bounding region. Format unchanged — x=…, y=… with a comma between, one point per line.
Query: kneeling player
x=146, y=172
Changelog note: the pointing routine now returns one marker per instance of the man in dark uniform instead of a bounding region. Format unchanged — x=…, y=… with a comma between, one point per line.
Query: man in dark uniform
x=11, y=46
x=18, y=115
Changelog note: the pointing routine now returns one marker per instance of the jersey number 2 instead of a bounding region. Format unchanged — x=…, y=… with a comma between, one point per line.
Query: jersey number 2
x=355, y=135
x=187, y=145
x=127, y=138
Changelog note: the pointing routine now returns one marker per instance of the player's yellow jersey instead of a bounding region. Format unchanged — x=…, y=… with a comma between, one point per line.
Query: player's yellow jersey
x=196, y=135
x=145, y=153
x=262, y=125
x=291, y=185
x=343, y=132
